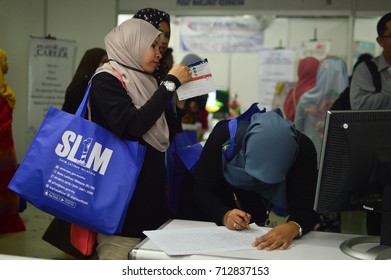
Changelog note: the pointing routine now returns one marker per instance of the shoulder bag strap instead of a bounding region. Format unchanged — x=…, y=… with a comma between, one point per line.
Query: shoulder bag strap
x=375, y=74
x=120, y=78
x=81, y=111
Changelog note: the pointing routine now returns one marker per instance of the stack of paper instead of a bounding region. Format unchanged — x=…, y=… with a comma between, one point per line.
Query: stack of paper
x=204, y=240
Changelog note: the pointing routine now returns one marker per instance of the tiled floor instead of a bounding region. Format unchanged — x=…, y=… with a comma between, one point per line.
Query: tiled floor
x=29, y=243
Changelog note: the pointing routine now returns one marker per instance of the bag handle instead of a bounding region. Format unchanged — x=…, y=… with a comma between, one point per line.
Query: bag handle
x=81, y=111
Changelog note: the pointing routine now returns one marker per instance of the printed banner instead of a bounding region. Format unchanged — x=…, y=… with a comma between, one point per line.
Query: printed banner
x=275, y=66
x=317, y=49
x=50, y=72
x=221, y=34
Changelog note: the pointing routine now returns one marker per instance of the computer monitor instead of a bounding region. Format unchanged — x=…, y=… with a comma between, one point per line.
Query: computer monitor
x=355, y=171
x=217, y=103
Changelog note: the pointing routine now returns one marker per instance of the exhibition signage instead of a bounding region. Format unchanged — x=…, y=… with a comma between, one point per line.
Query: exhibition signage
x=276, y=65
x=50, y=72
x=221, y=34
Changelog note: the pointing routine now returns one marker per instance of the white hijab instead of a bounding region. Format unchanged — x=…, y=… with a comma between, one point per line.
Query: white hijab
x=331, y=80
x=127, y=44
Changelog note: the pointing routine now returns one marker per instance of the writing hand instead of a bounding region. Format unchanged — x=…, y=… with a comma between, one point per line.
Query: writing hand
x=236, y=219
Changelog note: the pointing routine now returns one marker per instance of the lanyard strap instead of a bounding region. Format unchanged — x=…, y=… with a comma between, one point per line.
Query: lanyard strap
x=267, y=206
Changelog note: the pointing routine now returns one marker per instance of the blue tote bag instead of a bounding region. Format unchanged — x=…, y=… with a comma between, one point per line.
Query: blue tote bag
x=79, y=172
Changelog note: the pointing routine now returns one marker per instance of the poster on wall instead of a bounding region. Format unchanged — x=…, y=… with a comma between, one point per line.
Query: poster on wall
x=276, y=65
x=50, y=72
x=317, y=49
x=361, y=47
x=221, y=34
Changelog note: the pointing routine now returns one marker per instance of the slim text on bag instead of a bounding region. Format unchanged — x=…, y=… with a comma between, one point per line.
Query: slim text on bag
x=70, y=146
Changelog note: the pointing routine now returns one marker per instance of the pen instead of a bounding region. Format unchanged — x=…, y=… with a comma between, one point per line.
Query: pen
x=237, y=202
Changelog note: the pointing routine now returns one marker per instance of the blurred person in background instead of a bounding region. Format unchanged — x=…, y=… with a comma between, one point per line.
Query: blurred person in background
x=10, y=220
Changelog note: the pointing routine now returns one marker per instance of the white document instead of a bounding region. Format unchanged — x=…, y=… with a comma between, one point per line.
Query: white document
x=204, y=240
x=201, y=82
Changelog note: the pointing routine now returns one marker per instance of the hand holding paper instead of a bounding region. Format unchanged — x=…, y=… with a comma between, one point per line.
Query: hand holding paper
x=201, y=82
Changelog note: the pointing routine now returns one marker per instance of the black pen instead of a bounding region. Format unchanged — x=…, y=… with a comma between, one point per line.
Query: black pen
x=237, y=202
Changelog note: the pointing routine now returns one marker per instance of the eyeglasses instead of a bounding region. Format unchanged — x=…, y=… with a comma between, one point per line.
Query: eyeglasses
x=386, y=36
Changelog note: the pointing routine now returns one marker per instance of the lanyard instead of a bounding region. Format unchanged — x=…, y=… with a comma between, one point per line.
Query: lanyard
x=267, y=205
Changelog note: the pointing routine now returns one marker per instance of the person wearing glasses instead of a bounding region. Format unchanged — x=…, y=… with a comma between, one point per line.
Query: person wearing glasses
x=363, y=95
x=362, y=91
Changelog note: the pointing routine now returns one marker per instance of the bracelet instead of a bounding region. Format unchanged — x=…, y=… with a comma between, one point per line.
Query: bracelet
x=300, y=229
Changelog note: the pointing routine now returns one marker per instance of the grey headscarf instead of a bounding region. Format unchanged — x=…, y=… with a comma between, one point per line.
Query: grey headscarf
x=127, y=44
x=155, y=17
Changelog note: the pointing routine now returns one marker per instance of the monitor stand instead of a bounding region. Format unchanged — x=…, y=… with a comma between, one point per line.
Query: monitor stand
x=375, y=252
x=381, y=250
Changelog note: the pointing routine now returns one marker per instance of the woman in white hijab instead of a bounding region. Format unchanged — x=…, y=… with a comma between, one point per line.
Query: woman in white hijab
x=331, y=80
x=126, y=99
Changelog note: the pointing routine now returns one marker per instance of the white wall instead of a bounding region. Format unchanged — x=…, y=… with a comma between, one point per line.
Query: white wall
x=18, y=21
x=88, y=21
x=240, y=71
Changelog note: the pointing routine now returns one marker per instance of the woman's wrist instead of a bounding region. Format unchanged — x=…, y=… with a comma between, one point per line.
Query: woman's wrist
x=300, y=230
x=174, y=79
x=225, y=217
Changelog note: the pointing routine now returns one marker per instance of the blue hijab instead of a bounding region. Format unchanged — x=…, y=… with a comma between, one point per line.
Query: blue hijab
x=269, y=148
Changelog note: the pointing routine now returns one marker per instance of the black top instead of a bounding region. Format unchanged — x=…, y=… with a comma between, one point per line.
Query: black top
x=112, y=108
x=74, y=96
x=214, y=196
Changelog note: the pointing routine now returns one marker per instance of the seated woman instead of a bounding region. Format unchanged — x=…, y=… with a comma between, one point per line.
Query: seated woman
x=274, y=167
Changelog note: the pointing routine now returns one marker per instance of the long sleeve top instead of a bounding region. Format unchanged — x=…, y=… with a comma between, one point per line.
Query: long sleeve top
x=214, y=196
x=362, y=89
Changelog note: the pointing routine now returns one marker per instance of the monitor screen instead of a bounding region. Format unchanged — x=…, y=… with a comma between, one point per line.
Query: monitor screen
x=355, y=162
x=217, y=103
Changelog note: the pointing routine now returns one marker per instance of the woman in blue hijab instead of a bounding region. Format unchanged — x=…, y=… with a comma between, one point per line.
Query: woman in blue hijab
x=274, y=167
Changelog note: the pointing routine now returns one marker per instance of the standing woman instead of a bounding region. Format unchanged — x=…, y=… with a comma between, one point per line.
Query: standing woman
x=92, y=59
x=310, y=114
x=10, y=220
x=126, y=99
x=306, y=72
